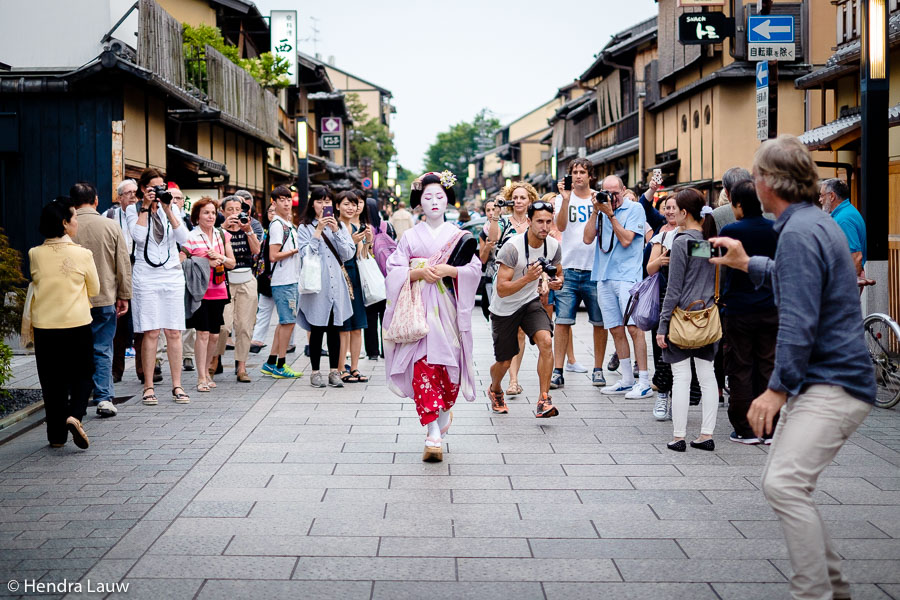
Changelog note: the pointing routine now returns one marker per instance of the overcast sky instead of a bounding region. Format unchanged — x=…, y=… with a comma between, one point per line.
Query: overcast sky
x=509, y=57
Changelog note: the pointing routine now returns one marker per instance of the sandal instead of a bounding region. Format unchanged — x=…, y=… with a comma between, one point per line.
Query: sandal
x=433, y=453
x=202, y=386
x=180, y=397
x=211, y=383
x=514, y=389
x=149, y=399
x=348, y=377
x=360, y=378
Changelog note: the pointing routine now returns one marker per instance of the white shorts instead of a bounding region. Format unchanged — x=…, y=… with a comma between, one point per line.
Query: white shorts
x=613, y=297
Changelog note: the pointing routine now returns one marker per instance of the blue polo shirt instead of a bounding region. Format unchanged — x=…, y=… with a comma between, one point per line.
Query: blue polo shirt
x=853, y=226
x=620, y=264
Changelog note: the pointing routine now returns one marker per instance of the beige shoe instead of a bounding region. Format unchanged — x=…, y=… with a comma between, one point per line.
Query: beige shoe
x=78, y=435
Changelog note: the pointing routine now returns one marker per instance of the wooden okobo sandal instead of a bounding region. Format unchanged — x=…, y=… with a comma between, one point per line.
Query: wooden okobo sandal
x=433, y=453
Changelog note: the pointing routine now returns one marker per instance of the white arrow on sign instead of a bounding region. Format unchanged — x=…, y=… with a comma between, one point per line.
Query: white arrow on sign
x=766, y=28
x=762, y=73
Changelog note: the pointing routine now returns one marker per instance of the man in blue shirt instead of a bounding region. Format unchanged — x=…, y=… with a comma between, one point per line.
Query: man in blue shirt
x=823, y=383
x=834, y=195
x=616, y=229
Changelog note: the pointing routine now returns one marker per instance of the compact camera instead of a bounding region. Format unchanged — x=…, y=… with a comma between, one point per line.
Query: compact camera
x=549, y=269
x=703, y=249
x=162, y=193
x=505, y=203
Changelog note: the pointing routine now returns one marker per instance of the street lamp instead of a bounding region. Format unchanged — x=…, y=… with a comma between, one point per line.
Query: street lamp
x=302, y=163
x=873, y=179
x=397, y=190
x=375, y=178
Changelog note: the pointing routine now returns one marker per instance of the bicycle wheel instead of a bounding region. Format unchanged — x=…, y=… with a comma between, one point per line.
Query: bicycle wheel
x=883, y=342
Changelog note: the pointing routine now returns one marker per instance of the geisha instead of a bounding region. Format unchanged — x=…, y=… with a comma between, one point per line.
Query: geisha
x=428, y=320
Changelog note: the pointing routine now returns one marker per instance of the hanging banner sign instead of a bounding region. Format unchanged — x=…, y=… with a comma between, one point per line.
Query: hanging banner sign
x=283, y=30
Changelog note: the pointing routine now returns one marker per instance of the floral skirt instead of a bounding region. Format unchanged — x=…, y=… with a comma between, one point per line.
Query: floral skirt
x=433, y=390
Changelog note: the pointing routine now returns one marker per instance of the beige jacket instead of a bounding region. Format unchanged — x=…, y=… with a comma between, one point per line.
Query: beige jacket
x=105, y=240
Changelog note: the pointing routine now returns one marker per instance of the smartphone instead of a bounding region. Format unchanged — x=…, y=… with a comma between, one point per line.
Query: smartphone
x=702, y=249
x=362, y=228
x=657, y=176
x=567, y=182
x=327, y=211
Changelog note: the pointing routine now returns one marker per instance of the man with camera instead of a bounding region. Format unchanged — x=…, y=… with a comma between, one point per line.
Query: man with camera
x=573, y=209
x=247, y=208
x=617, y=225
x=523, y=262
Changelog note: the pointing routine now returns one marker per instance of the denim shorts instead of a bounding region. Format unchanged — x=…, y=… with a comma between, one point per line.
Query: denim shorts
x=614, y=297
x=577, y=287
x=286, y=298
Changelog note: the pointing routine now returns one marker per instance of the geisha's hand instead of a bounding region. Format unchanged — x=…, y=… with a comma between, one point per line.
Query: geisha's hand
x=446, y=271
x=426, y=273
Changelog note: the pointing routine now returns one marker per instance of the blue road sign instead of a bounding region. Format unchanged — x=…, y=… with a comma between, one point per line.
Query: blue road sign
x=772, y=29
x=762, y=75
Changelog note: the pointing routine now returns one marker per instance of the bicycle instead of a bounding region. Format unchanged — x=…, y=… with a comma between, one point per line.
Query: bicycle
x=882, y=335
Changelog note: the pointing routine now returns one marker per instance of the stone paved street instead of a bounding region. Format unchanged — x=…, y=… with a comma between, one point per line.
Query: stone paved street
x=278, y=490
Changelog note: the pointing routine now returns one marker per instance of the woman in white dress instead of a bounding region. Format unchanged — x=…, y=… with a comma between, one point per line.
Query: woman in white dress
x=157, y=301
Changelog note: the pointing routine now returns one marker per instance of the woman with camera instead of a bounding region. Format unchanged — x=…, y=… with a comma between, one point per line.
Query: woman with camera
x=691, y=281
x=157, y=301
x=240, y=312
x=323, y=313
x=349, y=212
x=64, y=277
x=518, y=196
x=212, y=243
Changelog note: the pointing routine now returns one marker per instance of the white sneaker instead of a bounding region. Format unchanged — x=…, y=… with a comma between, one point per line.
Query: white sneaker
x=575, y=367
x=617, y=389
x=107, y=409
x=639, y=391
x=661, y=409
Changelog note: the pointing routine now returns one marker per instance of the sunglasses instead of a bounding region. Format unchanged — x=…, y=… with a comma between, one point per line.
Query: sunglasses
x=541, y=205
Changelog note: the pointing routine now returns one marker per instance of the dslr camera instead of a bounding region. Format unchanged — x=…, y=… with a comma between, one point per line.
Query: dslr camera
x=162, y=193
x=244, y=218
x=603, y=196
x=549, y=269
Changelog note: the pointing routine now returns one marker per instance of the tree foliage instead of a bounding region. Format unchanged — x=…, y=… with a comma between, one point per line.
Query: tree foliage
x=12, y=297
x=368, y=137
x=269, y=70
x=454, y=149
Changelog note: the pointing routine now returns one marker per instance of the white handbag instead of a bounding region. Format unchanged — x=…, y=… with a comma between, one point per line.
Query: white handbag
x=310, y=273
x=372, y=281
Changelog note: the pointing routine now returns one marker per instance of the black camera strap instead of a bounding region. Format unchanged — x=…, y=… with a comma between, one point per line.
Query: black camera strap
x=165, y=241
x=527, y=245
x=612, y=236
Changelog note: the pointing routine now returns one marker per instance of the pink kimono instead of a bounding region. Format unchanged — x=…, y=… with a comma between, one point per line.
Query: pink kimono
x=434, y=369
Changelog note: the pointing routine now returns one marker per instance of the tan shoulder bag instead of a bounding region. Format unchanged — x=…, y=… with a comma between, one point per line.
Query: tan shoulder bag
x=691, y=329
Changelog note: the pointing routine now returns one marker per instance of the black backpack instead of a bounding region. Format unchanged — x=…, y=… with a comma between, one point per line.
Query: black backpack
x=263, y=267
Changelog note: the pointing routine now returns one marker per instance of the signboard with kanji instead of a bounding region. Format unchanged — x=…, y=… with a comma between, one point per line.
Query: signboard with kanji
x=762, y=101
x=283, y=31
x=771, y=37
x=704, y=28
x=331, y=141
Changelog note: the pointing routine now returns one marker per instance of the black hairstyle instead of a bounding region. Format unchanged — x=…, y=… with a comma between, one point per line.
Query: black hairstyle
x=691, y=200
x=743, y=194
x=280, y=192
x=316, y=192
x=415, y=196
x=54, y=216
x=372, y=212
x=82, y=193
x=539, y=205
x=345, y=195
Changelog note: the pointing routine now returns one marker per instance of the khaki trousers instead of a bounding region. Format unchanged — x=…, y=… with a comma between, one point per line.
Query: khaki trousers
x=812, y=428
x=240, y=317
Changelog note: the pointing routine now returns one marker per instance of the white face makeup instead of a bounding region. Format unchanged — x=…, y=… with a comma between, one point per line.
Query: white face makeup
x=434, y=203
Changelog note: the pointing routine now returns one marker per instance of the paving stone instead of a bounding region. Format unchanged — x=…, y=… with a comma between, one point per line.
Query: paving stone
x=216, y=508
x=282, y=545
x=440, y=590
x=701, y=548
x=604, y=548
x=153, y=589
x=698, y=570
x=454, y=547
x=741, y=591
x=548, y=528
x=377, y=569
x=835, y=529
x=411, y=525
x=614, y=528
x=215, y=589
x=534, y=569
x=214, y=567
x=174, y=545
x=630, y=591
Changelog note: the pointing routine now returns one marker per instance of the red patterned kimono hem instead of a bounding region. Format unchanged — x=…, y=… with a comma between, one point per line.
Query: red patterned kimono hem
x=433, y=390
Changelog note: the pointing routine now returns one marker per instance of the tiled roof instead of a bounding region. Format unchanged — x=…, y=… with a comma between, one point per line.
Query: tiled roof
x=820, y=138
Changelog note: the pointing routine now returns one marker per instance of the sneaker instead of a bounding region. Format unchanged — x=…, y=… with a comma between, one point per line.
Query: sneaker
x=268, y=369
x=597, y=378
x=106, y=409
x=557, y=380
x=130, y=353
x=576, y=367
x=334, y=379
x=187, y=364
x=306, y=350
x=498, y=404
x=317, y=380
x=291, y=372
x=767, y=441
x=661, y=409
x=545, y=408
x=613, y=364
x=639, y=391
x=617, y=389
x=750, y=441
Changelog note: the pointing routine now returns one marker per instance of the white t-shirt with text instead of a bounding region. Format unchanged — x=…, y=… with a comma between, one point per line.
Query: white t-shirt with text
x=575, y=253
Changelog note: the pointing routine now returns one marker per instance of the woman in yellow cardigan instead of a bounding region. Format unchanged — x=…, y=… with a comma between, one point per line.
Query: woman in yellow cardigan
x=64, y=277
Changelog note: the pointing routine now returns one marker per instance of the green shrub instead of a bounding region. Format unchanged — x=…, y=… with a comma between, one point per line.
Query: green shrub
x=268, y=70
x=12, y=298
